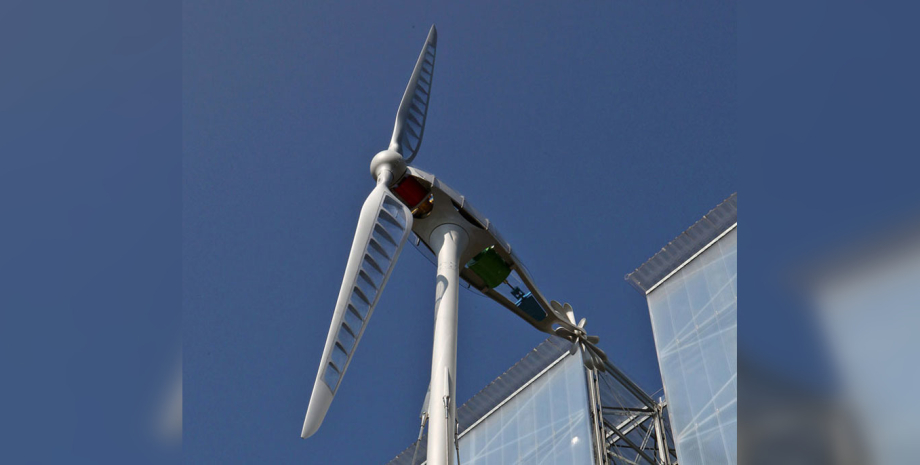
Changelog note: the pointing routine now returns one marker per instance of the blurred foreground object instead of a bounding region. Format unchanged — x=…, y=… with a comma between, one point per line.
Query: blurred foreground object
x=867, y=300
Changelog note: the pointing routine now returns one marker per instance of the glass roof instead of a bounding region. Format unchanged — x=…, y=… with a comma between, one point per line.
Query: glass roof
x=685, y=246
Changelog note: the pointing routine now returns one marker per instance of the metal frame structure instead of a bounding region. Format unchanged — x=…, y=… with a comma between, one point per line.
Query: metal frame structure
x=628, y=425
x=625, y=430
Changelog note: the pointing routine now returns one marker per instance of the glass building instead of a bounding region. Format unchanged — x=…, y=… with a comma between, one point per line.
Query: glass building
x=550, y=409
x=692, y=290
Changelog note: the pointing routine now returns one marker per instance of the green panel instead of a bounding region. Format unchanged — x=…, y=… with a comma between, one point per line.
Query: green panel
x=489, y=266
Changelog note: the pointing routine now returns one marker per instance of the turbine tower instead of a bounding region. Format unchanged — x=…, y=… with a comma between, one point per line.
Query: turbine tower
x=408, y=201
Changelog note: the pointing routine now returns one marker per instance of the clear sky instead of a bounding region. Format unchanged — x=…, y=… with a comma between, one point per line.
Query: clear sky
x=590, y=133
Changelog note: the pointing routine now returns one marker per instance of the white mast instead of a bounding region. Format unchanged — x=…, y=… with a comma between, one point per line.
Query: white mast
x=449, y=241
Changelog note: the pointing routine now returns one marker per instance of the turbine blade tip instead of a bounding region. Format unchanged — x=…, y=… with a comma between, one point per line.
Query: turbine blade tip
x=308, y=430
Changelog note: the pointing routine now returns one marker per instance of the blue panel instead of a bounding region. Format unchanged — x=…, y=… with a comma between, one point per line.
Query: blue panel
x=530, y=306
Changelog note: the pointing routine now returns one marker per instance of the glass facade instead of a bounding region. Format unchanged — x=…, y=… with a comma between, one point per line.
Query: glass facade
x=694, y=320
x=547, y=422
x=550, y=409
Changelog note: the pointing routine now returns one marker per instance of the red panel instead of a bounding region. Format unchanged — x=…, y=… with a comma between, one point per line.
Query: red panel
x=410, y=191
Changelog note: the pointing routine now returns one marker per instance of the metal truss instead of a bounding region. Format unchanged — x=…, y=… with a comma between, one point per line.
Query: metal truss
x=630, y=427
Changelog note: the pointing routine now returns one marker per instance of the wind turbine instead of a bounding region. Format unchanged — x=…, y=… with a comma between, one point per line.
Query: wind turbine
x=467, y=246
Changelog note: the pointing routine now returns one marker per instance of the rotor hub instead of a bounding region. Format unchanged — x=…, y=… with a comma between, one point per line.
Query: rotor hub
x=388, y=160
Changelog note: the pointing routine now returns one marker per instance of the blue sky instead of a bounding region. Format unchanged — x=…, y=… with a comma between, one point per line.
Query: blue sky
x=591, y=134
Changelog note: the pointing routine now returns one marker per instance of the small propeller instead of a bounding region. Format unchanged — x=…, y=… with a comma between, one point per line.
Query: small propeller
x=594, y=356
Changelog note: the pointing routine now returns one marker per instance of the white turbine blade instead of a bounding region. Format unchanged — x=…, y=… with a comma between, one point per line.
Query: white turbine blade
x=383, y=228
x=589, y=361
x=569, y=313
x=598, y=363
x=600, y=353
x=413, y=110
x=564, y=333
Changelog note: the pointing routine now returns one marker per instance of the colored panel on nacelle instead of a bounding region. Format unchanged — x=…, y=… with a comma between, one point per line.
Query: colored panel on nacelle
x=410, y=191
x=530, y=306
x=489, y=266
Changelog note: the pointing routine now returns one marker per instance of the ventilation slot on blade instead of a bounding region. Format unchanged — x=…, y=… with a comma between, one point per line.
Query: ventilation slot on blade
x=331, y=377
x=387, y=244
x=375, y=275
x=362, y=296
x=359, y=307
x=393, y=210
x=372, y=264
x=346, y=338
x=390, y=226
x=366, y=286
x=378, y=254
x=339, y=357
x=353, y=320
x=353, y=331
x=388, y=239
